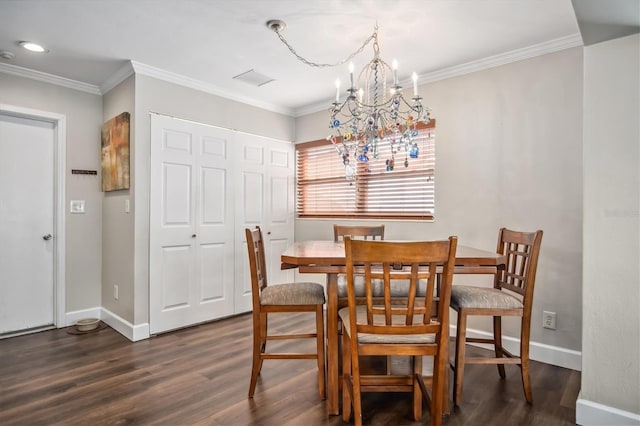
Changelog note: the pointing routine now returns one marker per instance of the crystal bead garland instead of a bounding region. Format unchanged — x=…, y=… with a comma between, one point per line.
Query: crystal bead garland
x=372, y=114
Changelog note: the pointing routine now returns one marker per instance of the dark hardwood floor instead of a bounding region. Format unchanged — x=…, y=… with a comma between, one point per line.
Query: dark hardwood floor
x=200, y=376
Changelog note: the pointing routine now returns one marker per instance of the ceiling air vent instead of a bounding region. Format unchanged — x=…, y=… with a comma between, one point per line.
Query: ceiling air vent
x=254, y=78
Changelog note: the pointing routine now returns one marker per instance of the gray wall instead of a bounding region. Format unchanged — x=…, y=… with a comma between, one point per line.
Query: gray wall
x=83, y=113
x=611, y=330
x=508, y=153
x=118, y=226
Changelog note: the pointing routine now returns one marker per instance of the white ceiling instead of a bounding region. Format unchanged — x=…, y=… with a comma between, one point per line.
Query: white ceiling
x=207, y=42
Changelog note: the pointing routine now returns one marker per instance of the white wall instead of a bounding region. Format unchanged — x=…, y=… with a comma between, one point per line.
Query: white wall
x=611, y=292
x=508, y=153
x=83, y=113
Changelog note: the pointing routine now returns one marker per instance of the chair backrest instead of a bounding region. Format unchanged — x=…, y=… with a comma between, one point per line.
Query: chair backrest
x=364, y=232
x=257, y=264
x=519, y=274
x=410, y=261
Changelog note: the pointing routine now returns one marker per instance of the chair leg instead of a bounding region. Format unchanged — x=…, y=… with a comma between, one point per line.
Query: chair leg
x=524, y=359
x=458, y=370
x=346, y=372
x=264, y=317
x=351, y=395
x=320, y=350
x=417, y=391
x=497, y=341
x=357, y=395
x=263, y=329
x=440, y=369
x=259, y=344
x=526, y=382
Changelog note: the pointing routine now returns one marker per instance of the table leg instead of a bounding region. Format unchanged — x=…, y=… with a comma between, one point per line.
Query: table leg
x=333, y=386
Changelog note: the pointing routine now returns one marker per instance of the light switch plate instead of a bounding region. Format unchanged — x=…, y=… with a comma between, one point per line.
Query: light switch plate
x=77, y=206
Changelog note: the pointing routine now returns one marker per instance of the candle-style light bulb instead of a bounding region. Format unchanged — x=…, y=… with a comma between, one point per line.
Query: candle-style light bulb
x=414, y=77
x=338, y=90
x=351, y=73
x=394, y=66
x=360, y=95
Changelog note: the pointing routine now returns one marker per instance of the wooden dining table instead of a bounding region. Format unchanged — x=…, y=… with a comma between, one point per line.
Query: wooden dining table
x=328, y=257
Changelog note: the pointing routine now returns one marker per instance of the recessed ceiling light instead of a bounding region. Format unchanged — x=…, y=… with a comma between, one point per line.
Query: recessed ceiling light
x=32, y=47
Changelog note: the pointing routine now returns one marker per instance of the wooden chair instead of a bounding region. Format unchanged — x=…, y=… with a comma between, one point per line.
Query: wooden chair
x=511, y=295
x=398, y=289
x=411, y=329
x=364, y=232
x=281, y=298
x=355, y=232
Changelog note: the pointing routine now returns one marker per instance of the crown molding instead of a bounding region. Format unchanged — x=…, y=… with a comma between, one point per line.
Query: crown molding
x=131, y=67
x=117, y=77
x=201, y=86
x=551, y=46
x=49, y=78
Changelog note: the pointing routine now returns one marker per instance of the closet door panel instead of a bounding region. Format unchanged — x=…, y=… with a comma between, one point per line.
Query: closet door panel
x=191, y=224
x=212, y=282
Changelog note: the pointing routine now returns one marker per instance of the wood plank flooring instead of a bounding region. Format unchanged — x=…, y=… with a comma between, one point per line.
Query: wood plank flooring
x=200, y=376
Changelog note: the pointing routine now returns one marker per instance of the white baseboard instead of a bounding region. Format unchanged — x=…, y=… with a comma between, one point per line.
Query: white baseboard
x=589, y=413
x=548, y=354
x=72, y=317
x=124, y=327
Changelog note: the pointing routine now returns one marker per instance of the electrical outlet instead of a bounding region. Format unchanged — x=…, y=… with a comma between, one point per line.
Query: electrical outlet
x=549, y=320
x=115, y=292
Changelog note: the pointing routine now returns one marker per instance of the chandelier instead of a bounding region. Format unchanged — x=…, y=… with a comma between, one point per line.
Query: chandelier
x=374, y=113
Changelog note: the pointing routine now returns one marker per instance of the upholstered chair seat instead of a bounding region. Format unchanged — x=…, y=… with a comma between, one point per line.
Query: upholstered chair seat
x=303, y=293
x=482, y=298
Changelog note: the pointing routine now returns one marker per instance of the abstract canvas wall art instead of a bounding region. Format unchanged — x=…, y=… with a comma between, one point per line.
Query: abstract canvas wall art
x=115, y=153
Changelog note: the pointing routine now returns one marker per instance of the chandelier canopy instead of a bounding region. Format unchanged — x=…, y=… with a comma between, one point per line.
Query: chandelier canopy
x=375, y=112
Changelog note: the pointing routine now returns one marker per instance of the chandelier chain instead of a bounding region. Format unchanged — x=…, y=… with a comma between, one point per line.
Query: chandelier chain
x=373, y=36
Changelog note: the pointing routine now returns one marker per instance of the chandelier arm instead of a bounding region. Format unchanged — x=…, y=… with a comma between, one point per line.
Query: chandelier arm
x=373, y=36
x=417, y=106
x=336, y=109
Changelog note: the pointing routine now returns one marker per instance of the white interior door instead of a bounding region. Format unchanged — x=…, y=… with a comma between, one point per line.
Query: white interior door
x=191, y=224
x=264, y=197
x=27, y=224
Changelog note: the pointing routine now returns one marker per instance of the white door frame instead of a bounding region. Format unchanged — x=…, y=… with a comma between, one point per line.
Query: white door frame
x=59, y=153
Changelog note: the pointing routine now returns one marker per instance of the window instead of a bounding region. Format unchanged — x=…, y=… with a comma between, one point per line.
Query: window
x=403, y=193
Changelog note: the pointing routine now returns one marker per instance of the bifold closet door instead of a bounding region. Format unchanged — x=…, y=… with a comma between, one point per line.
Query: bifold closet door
x=264, y=191
x=191, y=253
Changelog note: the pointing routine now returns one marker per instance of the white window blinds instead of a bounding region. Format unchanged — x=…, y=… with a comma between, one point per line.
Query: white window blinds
x=404, y=192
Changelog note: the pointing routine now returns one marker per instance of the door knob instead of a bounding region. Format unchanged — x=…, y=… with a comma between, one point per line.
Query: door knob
x=193, y=235
x=269, y=233
x=47, y=237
